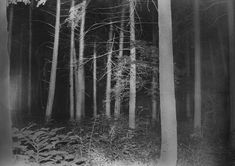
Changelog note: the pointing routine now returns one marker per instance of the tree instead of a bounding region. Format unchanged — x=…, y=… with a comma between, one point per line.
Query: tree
x=71, y=68
x=5, y=118
x=30, y=59
x=109, y=73
x=188, y=76
x=80, y=83
x=231, y=27
x=117, y=105
x=167, y=88
x=94, y=82
x=52, y=83
x=197, y=84
x=132, y=98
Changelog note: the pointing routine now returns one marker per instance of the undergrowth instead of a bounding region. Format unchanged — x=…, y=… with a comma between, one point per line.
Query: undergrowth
x=99, y=141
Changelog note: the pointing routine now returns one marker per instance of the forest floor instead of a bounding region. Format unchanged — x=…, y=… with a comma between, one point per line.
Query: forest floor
x=109, y=142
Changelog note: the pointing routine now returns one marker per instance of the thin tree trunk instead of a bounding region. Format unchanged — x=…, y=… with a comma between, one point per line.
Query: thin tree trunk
x=5, y=117
x=188, y=76
x=109, y=74
x=232, y=69
x=213, y=68
x=13, y=83
x=20, y=80
x=71, y=70
x=154, y=78
x=80, y=103
x=222, y=52
x=197, y=54
x=30, y=60
x=167, y=88
x=94, y=83
x=117, y=105
x=132, y=98
x=52, y=83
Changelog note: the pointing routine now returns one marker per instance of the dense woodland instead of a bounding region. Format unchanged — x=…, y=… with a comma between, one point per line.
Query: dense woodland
x=117, y=82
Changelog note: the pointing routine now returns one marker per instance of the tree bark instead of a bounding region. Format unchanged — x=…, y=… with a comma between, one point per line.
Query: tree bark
x=231, y=27
x=167, y=88
x=109, y=74
x=52, y=83
x=132, y=97
x=188, y=76
x=117, y=105
x=30, y=60
x=197, y=54
x=222, y=52
x=5, y=117
x=80, y=100
x=94, y=83
x=71, y=70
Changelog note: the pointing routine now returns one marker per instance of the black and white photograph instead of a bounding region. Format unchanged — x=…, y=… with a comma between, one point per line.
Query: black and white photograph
x=117, y=82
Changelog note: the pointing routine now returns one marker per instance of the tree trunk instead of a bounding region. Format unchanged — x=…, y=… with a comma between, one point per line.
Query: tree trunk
x=154, y=78
x=30, y=60
x=167, y=88
x=231, y=69
x=117, y=105
x=197, y=54
x=52, y=83
x=132, y=98
x=71, y=70
x=80, y=100
x=109, y=74
x=188, y=76
x=94, y=83
x=222, y=52
x=5, y=118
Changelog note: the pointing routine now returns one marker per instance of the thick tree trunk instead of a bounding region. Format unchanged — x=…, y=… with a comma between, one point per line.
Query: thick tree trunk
x=71, y=70
x=167, y=88
x=109, y=74
x=80, y=100
x=232, y=69
x=5, y=118
x=117, y=104
x=52, y=83
x=94, y=83
x=197, y=54
x=30, y=60
x=132, y=98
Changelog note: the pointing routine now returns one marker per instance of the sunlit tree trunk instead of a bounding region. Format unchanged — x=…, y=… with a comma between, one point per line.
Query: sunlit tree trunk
x=94, y=83
x=232, y=69
x=5, y=118
x=168, y=155
x=30, y=60
x=117, y=105
x=109, y=74
x=52, y=82
x=80, y=100
x=154, y=78
x=71, y=70
x=197, y=84
x=132, y=98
